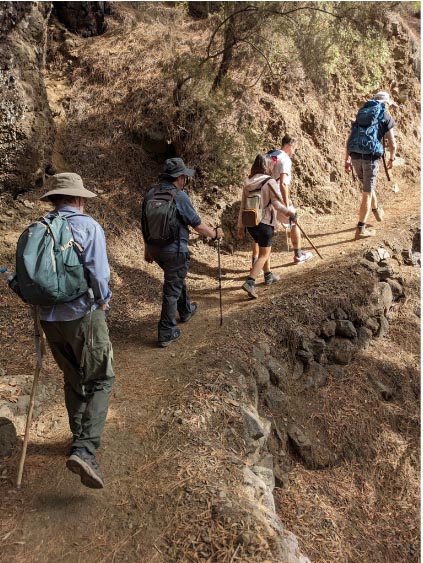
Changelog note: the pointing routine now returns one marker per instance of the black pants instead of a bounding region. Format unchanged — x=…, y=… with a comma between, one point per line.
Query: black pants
x=175, y=297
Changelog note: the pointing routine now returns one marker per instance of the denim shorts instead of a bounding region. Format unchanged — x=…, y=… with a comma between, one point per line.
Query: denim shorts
x=367, y=172
x=262, y=234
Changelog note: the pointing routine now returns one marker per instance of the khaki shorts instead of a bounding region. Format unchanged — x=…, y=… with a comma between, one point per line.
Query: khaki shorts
x=367, y=172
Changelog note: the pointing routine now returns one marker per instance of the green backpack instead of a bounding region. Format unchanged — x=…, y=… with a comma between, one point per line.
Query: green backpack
x=48, y=269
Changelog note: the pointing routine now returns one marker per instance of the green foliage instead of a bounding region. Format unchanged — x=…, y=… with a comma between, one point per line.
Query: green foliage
x=416, y=6
x=284, y=43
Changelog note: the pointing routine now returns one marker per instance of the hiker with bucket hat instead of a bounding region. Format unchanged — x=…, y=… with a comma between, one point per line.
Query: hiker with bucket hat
x=77, y=331
x=166, y=215
x=364, y=151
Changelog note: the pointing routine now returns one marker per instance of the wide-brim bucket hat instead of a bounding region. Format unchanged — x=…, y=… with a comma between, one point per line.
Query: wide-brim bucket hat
x=67, y=183
x=175, y=167
x=385, y=98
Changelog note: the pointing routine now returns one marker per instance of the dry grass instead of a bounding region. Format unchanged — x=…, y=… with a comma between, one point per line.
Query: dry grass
x=172, y=478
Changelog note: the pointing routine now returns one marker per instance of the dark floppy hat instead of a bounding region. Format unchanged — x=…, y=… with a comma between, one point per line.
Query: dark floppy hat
x=175, y=167
x=67, y=183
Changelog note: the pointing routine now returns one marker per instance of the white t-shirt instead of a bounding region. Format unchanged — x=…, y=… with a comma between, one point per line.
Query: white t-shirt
x=282, y=166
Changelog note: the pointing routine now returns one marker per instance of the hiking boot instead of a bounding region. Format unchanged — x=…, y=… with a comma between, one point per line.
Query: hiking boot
x=186, y=318
x=84, y=464
x=303, y=258
x=175, y=336
x=270, y=278
x=250, y=288
x=364, y=232
x=379, y=214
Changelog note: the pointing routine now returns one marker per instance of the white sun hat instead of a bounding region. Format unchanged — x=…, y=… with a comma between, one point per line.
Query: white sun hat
x=385, y=98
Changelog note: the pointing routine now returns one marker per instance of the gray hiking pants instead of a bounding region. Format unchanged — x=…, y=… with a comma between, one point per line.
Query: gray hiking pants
x=83, y=351
x=175, y=266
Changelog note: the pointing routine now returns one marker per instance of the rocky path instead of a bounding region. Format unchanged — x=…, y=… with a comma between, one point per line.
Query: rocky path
x=54, y=518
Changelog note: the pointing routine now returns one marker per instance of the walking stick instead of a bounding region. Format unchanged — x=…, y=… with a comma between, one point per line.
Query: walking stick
x=318, y=253
x=220, y=278
x=40, y=350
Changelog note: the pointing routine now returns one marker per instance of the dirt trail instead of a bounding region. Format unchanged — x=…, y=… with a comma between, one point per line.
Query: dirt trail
x=54, y=518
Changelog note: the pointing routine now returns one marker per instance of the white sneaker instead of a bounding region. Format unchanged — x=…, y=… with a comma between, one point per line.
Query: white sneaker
x=364, y=232
x=379, y=214
x=303, y=258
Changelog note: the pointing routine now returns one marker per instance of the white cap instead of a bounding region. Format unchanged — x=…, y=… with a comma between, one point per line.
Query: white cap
x=385, y=98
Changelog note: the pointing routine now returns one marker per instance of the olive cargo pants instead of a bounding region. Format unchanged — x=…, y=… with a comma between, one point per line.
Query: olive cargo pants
x=83, y=351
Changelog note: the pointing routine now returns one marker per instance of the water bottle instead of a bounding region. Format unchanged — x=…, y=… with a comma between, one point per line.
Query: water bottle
x=5, y=275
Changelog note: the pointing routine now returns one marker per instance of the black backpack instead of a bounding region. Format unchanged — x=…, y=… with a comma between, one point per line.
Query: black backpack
x=159, y=217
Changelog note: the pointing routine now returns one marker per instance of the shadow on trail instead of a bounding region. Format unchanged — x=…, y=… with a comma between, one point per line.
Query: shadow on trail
x=332, y=233
x=51, y=502
x=51, y=448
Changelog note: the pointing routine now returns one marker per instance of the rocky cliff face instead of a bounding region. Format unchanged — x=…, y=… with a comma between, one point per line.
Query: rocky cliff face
x=26, y=124
x=84, y=18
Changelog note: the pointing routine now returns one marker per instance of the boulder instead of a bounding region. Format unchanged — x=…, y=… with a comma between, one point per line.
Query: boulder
x=262, y=376
x=411, y=258
x=328, y=328
x=340, y=351
x=383, y=254
x=383, y=326
x=305, y=356
x=372, y=324
x=277, y=371
x=365, y=336
x=316, y=376
x=255, y=427
x=396, y=288
x=345, y=328
x=84, y=18
x=340, y=315
x=384, y=272
x=7, y=436
x=383, y=297
x=317, y=347
x=372, y=256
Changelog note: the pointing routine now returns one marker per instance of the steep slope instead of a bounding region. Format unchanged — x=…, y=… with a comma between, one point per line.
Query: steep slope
x=187, y=478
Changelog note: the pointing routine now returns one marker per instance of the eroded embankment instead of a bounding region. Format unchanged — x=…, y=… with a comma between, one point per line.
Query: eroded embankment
x=303, y=389
x=313, y=391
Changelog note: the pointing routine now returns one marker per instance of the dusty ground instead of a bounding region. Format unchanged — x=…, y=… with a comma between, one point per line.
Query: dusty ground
x=164, y=453
x=153, y=460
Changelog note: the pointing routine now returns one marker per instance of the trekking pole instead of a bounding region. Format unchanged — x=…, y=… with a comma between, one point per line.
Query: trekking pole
x=301, y=229
x=40, y=350
x=384, y=161
x=288, y=244
x=220, y=278
x=386, y=168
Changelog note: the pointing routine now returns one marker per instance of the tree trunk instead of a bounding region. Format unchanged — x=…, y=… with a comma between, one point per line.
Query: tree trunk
x=229, y=42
